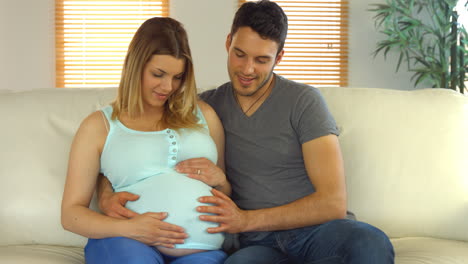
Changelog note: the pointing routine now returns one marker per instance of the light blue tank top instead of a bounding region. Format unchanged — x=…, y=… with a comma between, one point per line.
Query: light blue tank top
x=143, y=163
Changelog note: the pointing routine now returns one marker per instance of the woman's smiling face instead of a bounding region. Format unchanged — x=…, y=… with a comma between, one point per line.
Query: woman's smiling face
x=162, y=76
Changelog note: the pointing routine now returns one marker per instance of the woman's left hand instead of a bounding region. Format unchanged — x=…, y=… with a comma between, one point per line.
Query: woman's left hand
x=204, y=170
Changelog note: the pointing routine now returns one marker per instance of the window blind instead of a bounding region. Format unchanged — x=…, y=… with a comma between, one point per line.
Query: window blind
x=316, y=48
x=92, y=38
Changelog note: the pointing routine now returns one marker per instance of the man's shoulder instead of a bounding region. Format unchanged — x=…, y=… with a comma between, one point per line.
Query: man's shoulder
x=214, y=95
x=220, y=90
x=298, y=90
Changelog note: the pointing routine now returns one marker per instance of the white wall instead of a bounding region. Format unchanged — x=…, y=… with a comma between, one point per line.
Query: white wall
x=27, y=44
x=364, y=69
x=207, y=23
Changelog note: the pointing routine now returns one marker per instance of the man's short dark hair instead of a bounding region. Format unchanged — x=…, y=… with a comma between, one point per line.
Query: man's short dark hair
x=265, y=17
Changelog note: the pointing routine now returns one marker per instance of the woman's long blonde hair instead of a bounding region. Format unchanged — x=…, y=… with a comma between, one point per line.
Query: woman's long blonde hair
x=158, y=36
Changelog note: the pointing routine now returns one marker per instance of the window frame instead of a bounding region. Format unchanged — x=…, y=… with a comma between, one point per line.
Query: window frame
x=98, y=54
x=319, y=58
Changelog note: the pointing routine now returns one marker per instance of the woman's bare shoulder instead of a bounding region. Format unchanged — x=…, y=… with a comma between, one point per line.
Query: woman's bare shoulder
x=96, y=121
x=94, y=128
x=206, y=109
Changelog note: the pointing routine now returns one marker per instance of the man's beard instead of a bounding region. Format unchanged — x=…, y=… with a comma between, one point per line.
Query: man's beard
x=259, y=87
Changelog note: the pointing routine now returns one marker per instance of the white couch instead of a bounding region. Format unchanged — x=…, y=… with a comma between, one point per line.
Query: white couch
x=406, y=159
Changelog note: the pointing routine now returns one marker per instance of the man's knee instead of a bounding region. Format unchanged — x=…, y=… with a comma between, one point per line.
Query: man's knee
x=367, y=240
x=353, y=241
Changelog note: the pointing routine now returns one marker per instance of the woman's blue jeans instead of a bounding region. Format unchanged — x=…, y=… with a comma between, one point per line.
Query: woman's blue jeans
x=338, y=241
x=121, y=250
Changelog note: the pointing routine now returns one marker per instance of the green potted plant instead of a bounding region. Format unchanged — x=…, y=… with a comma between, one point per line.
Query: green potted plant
x=428, y=38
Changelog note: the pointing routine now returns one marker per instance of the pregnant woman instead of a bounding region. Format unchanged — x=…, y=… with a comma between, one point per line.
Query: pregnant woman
x=155, y=122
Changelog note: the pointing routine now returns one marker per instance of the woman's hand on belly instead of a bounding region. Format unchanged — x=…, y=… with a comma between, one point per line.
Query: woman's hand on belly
x=149, y=228
x=206, y=171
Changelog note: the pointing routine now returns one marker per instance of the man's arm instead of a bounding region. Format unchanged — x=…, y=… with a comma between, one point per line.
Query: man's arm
x=113, y=204
x=324, y=165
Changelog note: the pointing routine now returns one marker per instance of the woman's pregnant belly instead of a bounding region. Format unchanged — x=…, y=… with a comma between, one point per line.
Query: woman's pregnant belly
x=177, y=195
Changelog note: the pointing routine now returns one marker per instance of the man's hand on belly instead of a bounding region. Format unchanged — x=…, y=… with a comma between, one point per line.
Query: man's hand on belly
x=224, y=211
x=113, y=204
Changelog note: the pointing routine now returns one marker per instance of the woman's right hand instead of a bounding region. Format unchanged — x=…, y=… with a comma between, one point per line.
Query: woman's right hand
x=149, y=228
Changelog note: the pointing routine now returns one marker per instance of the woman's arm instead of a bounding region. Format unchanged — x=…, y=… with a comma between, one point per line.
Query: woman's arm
x=211, y=174
x=217, y=133
x=83, y=169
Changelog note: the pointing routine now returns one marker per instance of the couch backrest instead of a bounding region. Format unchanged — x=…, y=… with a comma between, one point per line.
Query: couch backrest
x=37, y=128
x=406, y=158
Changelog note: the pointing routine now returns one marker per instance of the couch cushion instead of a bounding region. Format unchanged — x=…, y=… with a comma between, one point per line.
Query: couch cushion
x=405, y=152
x=406, y=158
x=41, y=254
x=418, y=250
x=37, y=128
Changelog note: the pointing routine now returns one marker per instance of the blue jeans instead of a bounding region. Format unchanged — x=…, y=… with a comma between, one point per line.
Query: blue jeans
x=121, y=250
x=339, y=241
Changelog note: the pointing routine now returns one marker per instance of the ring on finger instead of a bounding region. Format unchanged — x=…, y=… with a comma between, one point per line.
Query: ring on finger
x=198, y=171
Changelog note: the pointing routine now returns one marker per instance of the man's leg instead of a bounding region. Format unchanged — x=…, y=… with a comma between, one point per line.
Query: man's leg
x=120, y=250
x=257, y=255
x=338, y=241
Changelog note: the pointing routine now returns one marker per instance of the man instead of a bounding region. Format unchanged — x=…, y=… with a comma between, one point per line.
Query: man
x=283, y=159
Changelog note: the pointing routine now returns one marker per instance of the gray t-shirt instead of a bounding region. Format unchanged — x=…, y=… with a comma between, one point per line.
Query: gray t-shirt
x=264, y=161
